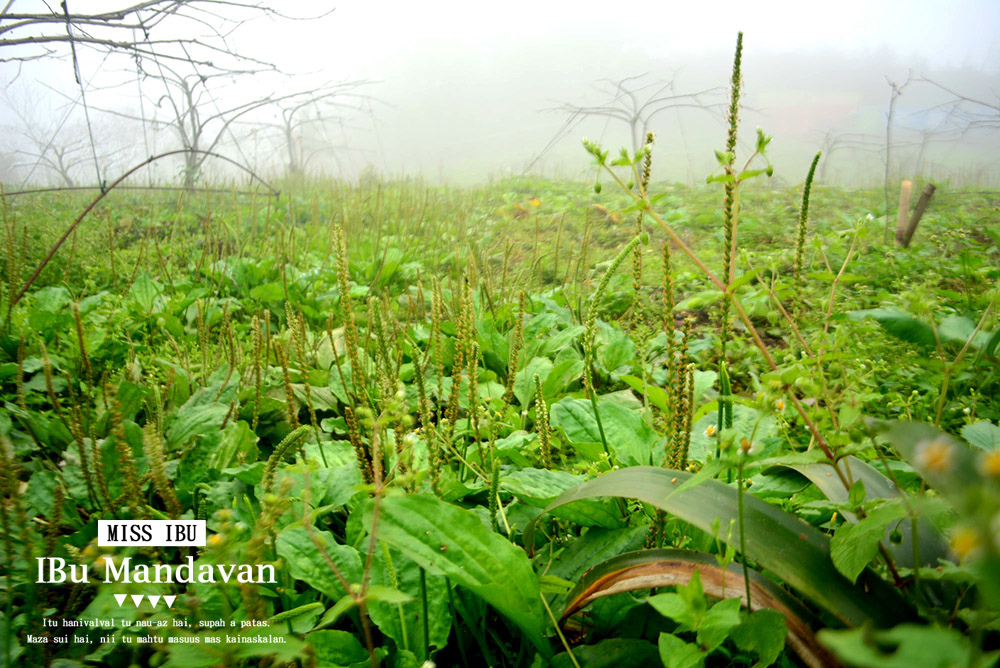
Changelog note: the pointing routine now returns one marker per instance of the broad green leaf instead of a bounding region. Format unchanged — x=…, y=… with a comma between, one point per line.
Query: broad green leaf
x=744, y=278
x=329, y=488
x=618, y=352
x=524, y=381
x=311, y=564
x=699, y=300
x=933, y=546
x=793, y=550
x=561, y=339
x=237, y=440
x=654, y=394
x=611, y=653
x=854, y=546
x=337, y=649
x=720, y=619
x=130, y=399
x=905, y=646
x=747, y=422
x=763, y=632
x=594, y=546
x=403, y=622
x=514, y=447
x=50, y=300
x=673, y=606
x=493, y=345
x=48, y=308
x=322, y=398
x=194, y=421
x=983, y=434
x=560, y=377
x=844, y=279
x=450, y=541
x=990, y=343
x=341, y=382
x=856, y=495
x=538, y=487
x=39, y=493
x=144, y=291
x=675, y=653
x=703, y=382
x=900, y=324
x=631, y=440
x=268, y=292
x=956, y=329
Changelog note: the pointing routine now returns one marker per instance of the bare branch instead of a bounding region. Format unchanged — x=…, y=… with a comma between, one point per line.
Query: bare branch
x=128, y=30
x=633, y=104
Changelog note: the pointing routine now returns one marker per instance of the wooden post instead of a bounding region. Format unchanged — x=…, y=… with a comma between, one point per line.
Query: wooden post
x=918, y=212
x=904, y=211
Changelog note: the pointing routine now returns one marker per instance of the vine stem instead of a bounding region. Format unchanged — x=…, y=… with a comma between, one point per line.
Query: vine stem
x=743, y=540
x=800, y=409
x=562, y=638
x=950, y=366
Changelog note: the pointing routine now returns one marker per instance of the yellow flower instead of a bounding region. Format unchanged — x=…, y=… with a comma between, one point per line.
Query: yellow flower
x=964, y=541
x=710, y=431
x=935, y=456
x=780, y=404
x=990, y=464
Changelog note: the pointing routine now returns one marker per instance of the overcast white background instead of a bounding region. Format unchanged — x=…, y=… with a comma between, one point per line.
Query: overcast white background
x=466, y=90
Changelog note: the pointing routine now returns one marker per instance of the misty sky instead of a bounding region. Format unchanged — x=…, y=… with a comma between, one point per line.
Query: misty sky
x=466, y=90
x=364, y=37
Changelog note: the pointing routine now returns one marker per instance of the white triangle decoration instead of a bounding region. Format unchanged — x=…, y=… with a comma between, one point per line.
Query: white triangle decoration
x=121, y=599
x=169, y=600
x=154, y=600
x=137, y=599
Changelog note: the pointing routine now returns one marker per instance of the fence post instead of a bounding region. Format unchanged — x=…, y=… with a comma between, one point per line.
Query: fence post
x=918, y=212
x=904, y=211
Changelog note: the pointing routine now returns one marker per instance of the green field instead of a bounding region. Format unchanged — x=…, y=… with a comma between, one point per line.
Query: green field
x=530, y=423
x=296, y=370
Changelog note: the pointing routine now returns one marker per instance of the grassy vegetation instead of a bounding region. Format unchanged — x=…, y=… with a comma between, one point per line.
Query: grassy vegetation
x=514, y=425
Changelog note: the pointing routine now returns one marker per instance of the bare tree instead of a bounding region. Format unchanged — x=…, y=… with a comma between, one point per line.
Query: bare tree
x=62, y=159
x=965, y=113
x=197, y=109
x=182, y=44
x=633, y=104
x=190, y=110
x=59, y=146
x=160, y=30
x=327, y=105
x=834, y=141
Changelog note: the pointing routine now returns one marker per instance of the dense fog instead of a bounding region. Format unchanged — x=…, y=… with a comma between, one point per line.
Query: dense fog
x=451, y=93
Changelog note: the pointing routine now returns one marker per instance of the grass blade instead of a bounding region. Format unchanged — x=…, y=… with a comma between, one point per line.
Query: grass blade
x=646, y=569
x=793, y=550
